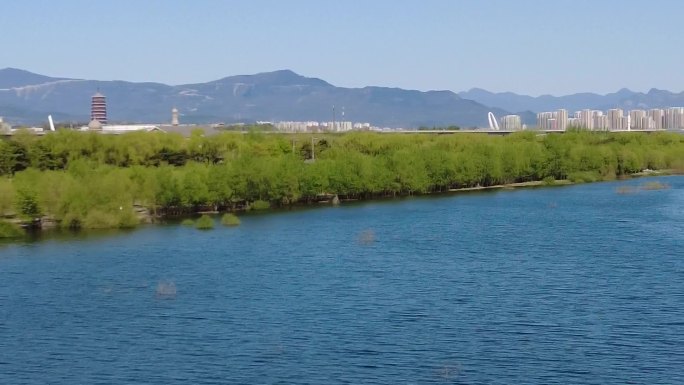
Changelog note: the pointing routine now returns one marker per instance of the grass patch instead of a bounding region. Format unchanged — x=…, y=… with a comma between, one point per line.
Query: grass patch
x=229, y=219
x=205, y=222
x=549, y=181
x=128, y=219
x=10, y=230
x=584, y=177
x=97, y=219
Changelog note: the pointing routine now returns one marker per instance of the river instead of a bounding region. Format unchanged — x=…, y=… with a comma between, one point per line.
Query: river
x=562, y=285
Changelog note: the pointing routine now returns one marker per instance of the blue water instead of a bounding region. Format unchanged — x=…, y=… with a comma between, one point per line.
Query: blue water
x=567, y=285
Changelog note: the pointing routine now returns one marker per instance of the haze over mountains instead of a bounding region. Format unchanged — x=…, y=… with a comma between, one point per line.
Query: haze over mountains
x=28, y=98
x=273, y=96
x=624, y=98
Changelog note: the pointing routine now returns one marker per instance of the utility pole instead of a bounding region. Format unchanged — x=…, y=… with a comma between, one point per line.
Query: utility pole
x=333, y=122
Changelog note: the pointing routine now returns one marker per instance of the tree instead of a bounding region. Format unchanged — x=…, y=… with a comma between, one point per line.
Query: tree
x=27, y=204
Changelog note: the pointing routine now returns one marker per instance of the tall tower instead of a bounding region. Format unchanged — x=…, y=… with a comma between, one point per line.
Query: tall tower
x=98, y=108
x=174, y=116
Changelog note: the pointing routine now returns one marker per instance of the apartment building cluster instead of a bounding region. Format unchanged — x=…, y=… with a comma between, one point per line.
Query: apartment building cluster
x=312, y=126
x=614, y=119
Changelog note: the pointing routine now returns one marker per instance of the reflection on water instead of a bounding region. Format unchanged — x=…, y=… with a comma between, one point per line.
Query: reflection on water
x=166, y=289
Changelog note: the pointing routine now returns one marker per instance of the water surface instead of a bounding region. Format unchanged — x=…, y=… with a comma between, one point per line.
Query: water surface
x=570, y=285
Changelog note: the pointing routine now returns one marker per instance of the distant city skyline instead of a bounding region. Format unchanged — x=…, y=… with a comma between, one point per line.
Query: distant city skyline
x=530, y=47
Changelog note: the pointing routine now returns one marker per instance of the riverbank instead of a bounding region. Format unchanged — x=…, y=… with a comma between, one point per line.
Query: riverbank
x=16, y=228
x=78, y=181
x=510, y=186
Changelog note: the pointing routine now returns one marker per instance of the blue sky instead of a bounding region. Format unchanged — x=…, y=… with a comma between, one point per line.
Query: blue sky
x=525, y=46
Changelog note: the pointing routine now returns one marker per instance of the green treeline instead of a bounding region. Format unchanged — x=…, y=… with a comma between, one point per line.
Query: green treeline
x=93, y=180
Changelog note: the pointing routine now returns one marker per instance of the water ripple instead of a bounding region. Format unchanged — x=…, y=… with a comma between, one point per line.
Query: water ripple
x=496, y=288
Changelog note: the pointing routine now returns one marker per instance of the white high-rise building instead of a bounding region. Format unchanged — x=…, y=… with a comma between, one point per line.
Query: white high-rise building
x=544, y=120
x=600, y=122
x=511, y=122
x=586, y=119
x=636, y=120
x=674, y=118
x=562, y=119
x=657, y=114
x=615, y=119
x=647, y=123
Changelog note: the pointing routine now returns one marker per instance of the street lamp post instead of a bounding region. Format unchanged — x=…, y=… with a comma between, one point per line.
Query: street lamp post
x=313, y=150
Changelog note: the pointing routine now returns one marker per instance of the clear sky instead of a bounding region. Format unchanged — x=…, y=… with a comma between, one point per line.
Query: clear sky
x=526, y=46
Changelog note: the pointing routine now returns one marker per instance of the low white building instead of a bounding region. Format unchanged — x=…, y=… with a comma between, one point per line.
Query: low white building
x=95, y=125
x=4, y=127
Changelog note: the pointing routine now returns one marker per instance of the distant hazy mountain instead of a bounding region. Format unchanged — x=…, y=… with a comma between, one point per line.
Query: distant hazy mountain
x=26, y=97
x=13, y=77
x=624, y=98
x=272, y=96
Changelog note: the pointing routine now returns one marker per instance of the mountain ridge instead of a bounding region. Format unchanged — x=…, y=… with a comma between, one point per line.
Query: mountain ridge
x=270, y=96
x=623, y=98
x=282, y=95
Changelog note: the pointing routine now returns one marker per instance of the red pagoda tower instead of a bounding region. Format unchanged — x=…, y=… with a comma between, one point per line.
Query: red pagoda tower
x=98, y=108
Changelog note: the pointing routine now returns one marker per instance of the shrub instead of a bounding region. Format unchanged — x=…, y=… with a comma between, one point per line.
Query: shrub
x=549, y=181
x=27, y=204
x=96, y=219
x=260, y=205
x=584, y=177
x=188, y=222
x=229, y=219
x=205, y=222
x=10, y=230
x=70, y=221
x=128, y=219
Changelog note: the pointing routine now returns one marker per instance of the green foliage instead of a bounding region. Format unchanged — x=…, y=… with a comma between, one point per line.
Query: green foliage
x=97, y=219
x=584, y=177
x=127, y=219
x=10, y=230
x=229, y=219
x=204, y=222
x=187, y=222
x=260, y=205
x=6, y=196
x=93, y=180
x=27, y=203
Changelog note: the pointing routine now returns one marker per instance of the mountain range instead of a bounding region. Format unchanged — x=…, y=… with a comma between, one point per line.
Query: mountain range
x=27, y=98
x=272, y=96
x=624, y=98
